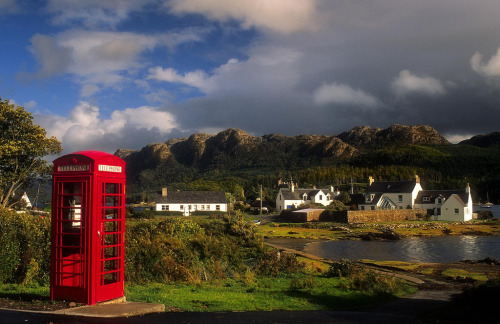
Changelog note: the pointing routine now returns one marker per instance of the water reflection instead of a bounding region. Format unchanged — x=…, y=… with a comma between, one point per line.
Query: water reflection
x=421, y=249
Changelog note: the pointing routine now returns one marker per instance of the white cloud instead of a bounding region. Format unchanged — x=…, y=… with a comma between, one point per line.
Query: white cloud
x=342, y=94
x=30, y=105
x=8, y=6
x=490, y=69
x=88, y=90
x=269, y=69
x=84, y=128
x=99, y=58
x=197, y=79
x=94, y=12
x=284, y=16
x=407, y=83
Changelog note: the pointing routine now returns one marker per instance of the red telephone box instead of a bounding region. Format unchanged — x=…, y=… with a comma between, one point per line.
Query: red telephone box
x=88, y=227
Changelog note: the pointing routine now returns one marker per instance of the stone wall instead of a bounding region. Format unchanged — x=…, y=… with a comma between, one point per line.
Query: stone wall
x=368, y=216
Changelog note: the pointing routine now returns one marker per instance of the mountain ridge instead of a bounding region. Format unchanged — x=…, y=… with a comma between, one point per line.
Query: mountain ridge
x=233, y=149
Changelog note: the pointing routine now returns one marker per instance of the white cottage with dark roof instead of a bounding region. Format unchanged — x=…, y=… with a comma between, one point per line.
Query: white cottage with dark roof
x=289, y=198
x=448, y=205
x=191, y=201
x=391, y=194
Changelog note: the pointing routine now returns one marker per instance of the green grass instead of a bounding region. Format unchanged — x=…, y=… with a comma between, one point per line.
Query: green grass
x=394, y=264
x=460, y=273
x=301, y=292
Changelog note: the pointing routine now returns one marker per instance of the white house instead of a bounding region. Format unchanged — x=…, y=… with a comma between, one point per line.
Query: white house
x=288, y=198
x=191, y=201
x=390, y=194
x=448, y=205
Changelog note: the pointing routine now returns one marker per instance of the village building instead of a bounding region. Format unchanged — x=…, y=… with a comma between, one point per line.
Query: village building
x=188, y=202
x=390, y=194
x=291, y=197
x=448, y=205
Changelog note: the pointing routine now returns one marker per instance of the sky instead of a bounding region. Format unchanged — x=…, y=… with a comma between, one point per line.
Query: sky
x=110, y=74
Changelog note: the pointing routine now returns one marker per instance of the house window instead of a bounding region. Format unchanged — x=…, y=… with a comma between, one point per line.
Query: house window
x=164, y=207
x=280, y=197
x=456, y=210
x=328, y=197
x=426, y=199
x=400, y=197
x=304, y=197
x=438, y=211
x=181, y=206
x=440, y=201
x=320, y=197
x=400, y=207
x=372, y=207
x=208, y=207
x=202, y=207
x=362, y=207
x=217, y=207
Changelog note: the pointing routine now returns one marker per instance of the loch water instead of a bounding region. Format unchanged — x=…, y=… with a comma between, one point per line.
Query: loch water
x=411, y=249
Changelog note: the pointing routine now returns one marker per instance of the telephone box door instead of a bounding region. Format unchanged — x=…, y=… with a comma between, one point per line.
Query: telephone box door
x=70, y=234
x=111, y=238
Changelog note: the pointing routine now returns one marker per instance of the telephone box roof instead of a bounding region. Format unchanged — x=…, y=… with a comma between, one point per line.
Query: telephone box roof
x=89, y=161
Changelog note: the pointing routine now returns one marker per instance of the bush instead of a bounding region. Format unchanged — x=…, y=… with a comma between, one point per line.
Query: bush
x=272, y=263
x=371, y=282
x=25, y=248
x=342, y=268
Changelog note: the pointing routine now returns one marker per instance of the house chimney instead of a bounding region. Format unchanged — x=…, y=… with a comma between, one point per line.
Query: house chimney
x=417, y=179
x=292, y=186
x=164, y=192
x=332, y=189
x=467, y=188
x=370, y=180
x=314, y=187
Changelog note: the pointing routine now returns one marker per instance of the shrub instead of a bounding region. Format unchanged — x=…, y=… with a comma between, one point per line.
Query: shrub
x=302, y=283
x=272, y=263
x=342, y=268
x=25, y=248
x=369, y=281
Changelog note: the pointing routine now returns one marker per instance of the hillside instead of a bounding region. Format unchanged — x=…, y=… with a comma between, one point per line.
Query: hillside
x=234, y=149
x=237, y=162
x=488, y=140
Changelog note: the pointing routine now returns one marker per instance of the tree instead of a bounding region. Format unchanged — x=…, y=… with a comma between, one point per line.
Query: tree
x=22, y=148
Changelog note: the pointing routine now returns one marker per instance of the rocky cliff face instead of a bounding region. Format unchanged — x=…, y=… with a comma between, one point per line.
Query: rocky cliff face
x=366, y=138
x=234, y=148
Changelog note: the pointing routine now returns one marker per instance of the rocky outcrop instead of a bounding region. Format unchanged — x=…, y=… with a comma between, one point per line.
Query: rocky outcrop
x=366, y=138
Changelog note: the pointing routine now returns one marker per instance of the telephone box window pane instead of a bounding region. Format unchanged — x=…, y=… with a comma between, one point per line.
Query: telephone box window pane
x=111, y=239
x=111, y=201
x=111, y=213
x=111, y=226
x=71, y=240
x=111, y=252
x=72, y=188
x=112, y=188
x=110, y=265
x=110, y=278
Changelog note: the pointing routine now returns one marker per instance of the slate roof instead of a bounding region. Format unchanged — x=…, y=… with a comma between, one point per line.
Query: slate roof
x=433, y=194
x=193, y=197
x=297, y=194
x=374, y=201
x=391, y=187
